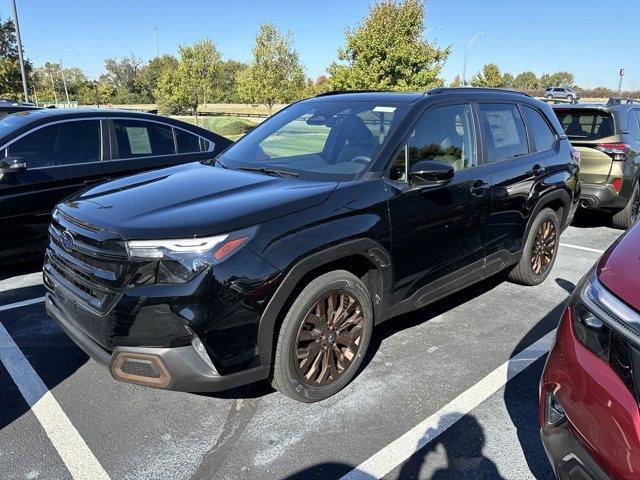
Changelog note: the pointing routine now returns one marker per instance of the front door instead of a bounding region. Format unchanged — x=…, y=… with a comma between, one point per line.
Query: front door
x=438, y=233
x=61, y=158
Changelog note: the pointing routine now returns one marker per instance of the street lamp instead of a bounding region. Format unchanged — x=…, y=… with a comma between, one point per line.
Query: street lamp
x=466, y=48
x=19, y=40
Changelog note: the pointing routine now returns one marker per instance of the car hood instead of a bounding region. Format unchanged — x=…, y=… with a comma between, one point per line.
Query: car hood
x=190, y=200
x=619, y=268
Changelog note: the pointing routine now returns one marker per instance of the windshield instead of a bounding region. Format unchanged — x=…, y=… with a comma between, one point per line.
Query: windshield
x=586, y=124
x=318, y=140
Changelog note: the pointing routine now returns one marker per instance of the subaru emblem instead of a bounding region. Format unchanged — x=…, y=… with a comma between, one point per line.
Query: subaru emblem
x=67, y=241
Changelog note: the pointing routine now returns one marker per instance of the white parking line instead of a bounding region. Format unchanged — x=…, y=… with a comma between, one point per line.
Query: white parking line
x=71, y=447
x=578, y=247
x=398, y=451
x=24, y=303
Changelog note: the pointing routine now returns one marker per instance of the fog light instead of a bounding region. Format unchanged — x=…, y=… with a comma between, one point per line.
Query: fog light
x=554, y=414
x=141, y=369
x=202, y=352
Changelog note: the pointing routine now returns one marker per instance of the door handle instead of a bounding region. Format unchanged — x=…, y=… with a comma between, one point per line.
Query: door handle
x=91, y=181
x=479, y=188
x=536, y=171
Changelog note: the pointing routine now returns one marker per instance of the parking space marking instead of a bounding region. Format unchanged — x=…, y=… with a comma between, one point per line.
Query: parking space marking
x=578, y=247
x=75, y=453
x=398, y=451
x=24, y=303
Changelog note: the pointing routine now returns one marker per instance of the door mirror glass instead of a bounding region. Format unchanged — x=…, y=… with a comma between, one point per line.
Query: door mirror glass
x=12, y=165
x=430, y=172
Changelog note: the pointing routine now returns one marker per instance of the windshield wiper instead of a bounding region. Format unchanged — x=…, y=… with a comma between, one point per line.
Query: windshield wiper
x=270, y=171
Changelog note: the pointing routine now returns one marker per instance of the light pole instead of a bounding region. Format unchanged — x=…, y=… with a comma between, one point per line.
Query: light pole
x=24, y=76
x=64, y=82
x=155, y=38
x=466, y=48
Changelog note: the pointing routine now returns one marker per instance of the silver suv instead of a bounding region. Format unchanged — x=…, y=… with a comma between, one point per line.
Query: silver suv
x=565, y=93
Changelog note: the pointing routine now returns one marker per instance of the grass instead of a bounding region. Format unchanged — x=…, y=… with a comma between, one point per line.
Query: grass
x=230, y=127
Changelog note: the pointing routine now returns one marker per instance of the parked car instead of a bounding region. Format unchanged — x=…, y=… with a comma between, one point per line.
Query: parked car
x=335, y=214
x=9, y=106
x=608, y=139
x=564, y=93
x=590, y=387
x=48, y=154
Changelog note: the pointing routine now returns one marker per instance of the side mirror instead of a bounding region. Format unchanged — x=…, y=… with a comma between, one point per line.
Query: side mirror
x=430, y=173
x=12, y=165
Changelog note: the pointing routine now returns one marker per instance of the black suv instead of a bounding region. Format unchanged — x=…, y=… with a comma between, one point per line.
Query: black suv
x=276, y=259
x=48, y=154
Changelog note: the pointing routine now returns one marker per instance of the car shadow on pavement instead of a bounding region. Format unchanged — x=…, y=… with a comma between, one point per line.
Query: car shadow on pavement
x=521, y=393
x=591, y=219
x=22, y=268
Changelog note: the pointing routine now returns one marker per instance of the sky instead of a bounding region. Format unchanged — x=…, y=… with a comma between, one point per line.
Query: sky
x=586, y=37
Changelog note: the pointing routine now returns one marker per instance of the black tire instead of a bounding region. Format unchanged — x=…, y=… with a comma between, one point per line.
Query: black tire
x=549, y=97
x=630, y=214
x=524, y=272
x=570, y=98
x=287, y=375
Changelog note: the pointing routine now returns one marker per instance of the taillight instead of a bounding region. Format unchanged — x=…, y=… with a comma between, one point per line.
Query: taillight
x=617, y=184
x=617, y=151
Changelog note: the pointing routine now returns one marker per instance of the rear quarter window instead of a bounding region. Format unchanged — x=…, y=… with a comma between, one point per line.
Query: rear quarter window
x=543, y=136
x=504, y=132
x=586, y=124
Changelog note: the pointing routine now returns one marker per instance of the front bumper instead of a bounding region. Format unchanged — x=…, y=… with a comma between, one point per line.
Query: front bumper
x=182, y=367
x=569, y=459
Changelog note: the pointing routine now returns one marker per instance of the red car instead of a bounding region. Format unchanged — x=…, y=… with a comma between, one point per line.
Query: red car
x=590, y=387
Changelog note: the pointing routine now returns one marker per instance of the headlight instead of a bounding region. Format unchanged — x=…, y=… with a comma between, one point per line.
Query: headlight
x=180, y=260
x=590, y=330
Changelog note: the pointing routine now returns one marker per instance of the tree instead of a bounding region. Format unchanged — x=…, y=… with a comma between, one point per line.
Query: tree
x=275, y=73
x=124, y=76
x=229, y=71
x=456, y=82
x=508, y=80
x=526, y=81
x=387, y=51
x=560, y=79
x=489, y=76
x=195, y=80
x=316, y=87
x=149, y=75
x=10, y=75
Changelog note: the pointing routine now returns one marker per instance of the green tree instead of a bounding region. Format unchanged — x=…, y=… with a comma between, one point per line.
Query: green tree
x=489, y=76
x=560, y=79
x=508, y=81
x=526, y=81
x=275, y=73
x=149, y=75
x=316, y=87
x=195, y=80
x=10, y=75
x=456, y=82
x=387, y=51
x=229, y=71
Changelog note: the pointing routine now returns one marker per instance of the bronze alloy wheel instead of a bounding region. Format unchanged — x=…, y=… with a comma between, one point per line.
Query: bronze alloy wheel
x=329, y=338
x=544, y=247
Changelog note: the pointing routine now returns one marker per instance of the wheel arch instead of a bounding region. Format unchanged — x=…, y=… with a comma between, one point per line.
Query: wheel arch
x=365, y=258
x=559, y=201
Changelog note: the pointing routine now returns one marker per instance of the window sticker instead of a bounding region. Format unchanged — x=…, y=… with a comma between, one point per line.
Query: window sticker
x=382, y=109
x=503, y=128
x=139, y=140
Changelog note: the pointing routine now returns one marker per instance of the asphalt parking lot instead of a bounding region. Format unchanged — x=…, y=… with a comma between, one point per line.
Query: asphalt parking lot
x=433, y=400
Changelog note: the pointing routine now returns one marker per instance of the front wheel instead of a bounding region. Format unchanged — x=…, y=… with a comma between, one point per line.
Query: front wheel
x=630, y=214
x=540, y=250
x=323, y=337
x=570, y=98
x=549, y=97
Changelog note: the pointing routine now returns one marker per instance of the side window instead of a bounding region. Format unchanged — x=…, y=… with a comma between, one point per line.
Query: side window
x=634, y=124
x=64, y=143
x=543, y=137
x=187, y=142
x=504, y=131
x=137, y=138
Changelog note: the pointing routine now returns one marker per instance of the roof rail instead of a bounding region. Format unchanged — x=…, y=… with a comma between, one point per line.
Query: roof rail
x=340, y=92
x=620, y=100
x=436, y=91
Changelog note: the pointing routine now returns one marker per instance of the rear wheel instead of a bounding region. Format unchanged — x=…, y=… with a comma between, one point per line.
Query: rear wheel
x=570, y=98
x=549, y=97
x=323, y=337
x=540, y=250
x=630, y=214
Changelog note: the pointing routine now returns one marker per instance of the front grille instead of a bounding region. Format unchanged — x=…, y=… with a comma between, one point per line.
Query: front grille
x=92, y=268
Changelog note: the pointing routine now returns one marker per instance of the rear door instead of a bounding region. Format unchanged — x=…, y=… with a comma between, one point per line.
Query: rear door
x=62, y=158
x=140, y=145
x=516, y=174
x=589, y=130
